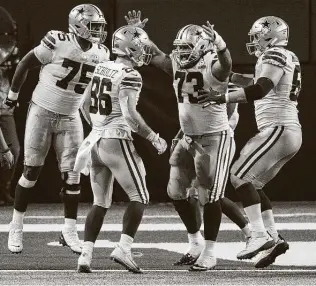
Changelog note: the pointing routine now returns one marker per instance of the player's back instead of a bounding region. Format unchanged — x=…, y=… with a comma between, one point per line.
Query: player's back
x=194, y=119
x=279, y=106
x=106, y=114
x=66, y=71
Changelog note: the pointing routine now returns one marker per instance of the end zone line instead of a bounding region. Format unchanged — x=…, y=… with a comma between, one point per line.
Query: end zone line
x=164, y=270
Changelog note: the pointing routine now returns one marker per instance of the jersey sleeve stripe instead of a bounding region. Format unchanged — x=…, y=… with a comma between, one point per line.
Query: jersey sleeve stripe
x=134, y=84
x=48, y=44
x=274, y=58
x=50, y=38
x=276, y=54
x=134, y=79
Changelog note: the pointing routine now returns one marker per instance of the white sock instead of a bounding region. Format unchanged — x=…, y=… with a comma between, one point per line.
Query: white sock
x=88, y=247
x=126, y=242
x=18, y=217
x=269, y=223
x=70, y=223
x=195, y=238
x=209, y=248
x=254, y=215
x=246, y=230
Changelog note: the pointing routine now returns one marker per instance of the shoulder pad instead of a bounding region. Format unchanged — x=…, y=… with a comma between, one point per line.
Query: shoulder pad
x=275, y=56
x=52, y=38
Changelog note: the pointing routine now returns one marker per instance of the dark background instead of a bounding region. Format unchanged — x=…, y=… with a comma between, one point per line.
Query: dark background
x=232, y=20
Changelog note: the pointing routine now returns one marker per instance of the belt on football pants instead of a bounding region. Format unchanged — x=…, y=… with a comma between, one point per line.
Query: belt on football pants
x=194, y=137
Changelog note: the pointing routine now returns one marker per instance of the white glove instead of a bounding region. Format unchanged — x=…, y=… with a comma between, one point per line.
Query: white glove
x=159, y=143
x=134, y=19
x=6, y=159
x=216, y=39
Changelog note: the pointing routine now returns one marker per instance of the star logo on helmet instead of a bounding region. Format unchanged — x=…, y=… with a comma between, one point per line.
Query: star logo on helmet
x=266, y=24
x=81, y=10
x=198, y=33
x=136, y=34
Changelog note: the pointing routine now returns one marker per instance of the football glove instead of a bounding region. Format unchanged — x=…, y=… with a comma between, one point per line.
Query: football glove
x=12, y=99
x=6, y=159
x=159, y=143
x=133, y=19
x=216, y=39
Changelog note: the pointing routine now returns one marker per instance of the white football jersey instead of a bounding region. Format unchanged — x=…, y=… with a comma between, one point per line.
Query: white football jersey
x=195, y=120
x=279, y=106
x=108, y=80
x=66, y=71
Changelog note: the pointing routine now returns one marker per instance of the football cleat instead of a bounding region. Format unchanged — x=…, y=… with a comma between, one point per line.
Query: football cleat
x=268, y=256
x=15, y=240
x=186, y=259
x=204, y=264
x=256, y=243
x=69, y=237
x=124, y=258
x=84, y=262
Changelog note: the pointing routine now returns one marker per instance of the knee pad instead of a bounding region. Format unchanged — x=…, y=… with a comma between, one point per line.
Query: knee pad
x=32, y=173
x=71, y=178
x=25, y=183
x=175, y=194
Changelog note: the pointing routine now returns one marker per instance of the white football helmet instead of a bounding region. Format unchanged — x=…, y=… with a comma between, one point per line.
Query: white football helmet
x=87, y=21
x=190, y=45
x=267, y=32
x=132, y=42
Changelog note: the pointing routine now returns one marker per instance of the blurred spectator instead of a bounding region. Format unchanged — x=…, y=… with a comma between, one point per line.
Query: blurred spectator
x=8, y=127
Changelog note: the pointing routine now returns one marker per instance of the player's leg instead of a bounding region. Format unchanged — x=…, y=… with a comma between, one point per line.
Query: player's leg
x=128, y=169
x=181, y=174
x=211, y=159
x=37, y=142
x=8, y=128
x=285, y=152
x=229, y=208
x=102, y=187
x=67, y=140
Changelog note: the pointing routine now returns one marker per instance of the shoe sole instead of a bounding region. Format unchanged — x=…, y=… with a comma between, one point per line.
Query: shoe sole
x=84, y=269
x=277, y=251
x=16, y=252
x=250, y=255
x=63, y=242
x=197, y=268
x=127, y=267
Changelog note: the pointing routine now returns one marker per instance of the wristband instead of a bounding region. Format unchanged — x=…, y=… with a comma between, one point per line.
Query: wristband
x=152, y=136
x=13, y=95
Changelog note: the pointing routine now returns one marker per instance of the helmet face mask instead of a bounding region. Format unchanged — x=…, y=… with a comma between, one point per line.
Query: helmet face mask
x=132, y=42
x=190, y=45
x=265, y=33
x=87, y=21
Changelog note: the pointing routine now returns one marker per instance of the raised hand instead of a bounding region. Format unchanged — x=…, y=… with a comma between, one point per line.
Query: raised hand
x=208, y=29
x=134, y=19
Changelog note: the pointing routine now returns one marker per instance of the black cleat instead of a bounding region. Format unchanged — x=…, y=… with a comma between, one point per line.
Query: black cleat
x=186, y=259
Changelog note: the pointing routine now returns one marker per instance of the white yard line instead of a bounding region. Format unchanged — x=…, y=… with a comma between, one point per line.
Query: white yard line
x=171, y=216
x=53, y=227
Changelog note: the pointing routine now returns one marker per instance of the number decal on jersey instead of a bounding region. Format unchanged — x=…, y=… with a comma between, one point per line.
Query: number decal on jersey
x=296, y=83
x=75, y=67
x=100, y=98
x=63, y=37
x=188, y=78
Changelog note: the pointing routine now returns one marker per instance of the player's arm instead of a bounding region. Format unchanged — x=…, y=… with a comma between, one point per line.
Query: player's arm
x=161, y=60
x=222, y=67
x=86, y=103
x=233, y=115
x=241, y=80
x=6, y=157
x=269, y=78
x=128, y=102
x=40, y=55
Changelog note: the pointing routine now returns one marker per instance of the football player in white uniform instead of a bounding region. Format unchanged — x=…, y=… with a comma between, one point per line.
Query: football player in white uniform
x=67, y=63
x=202, y=151
x=276, y=87
x=112, y=97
